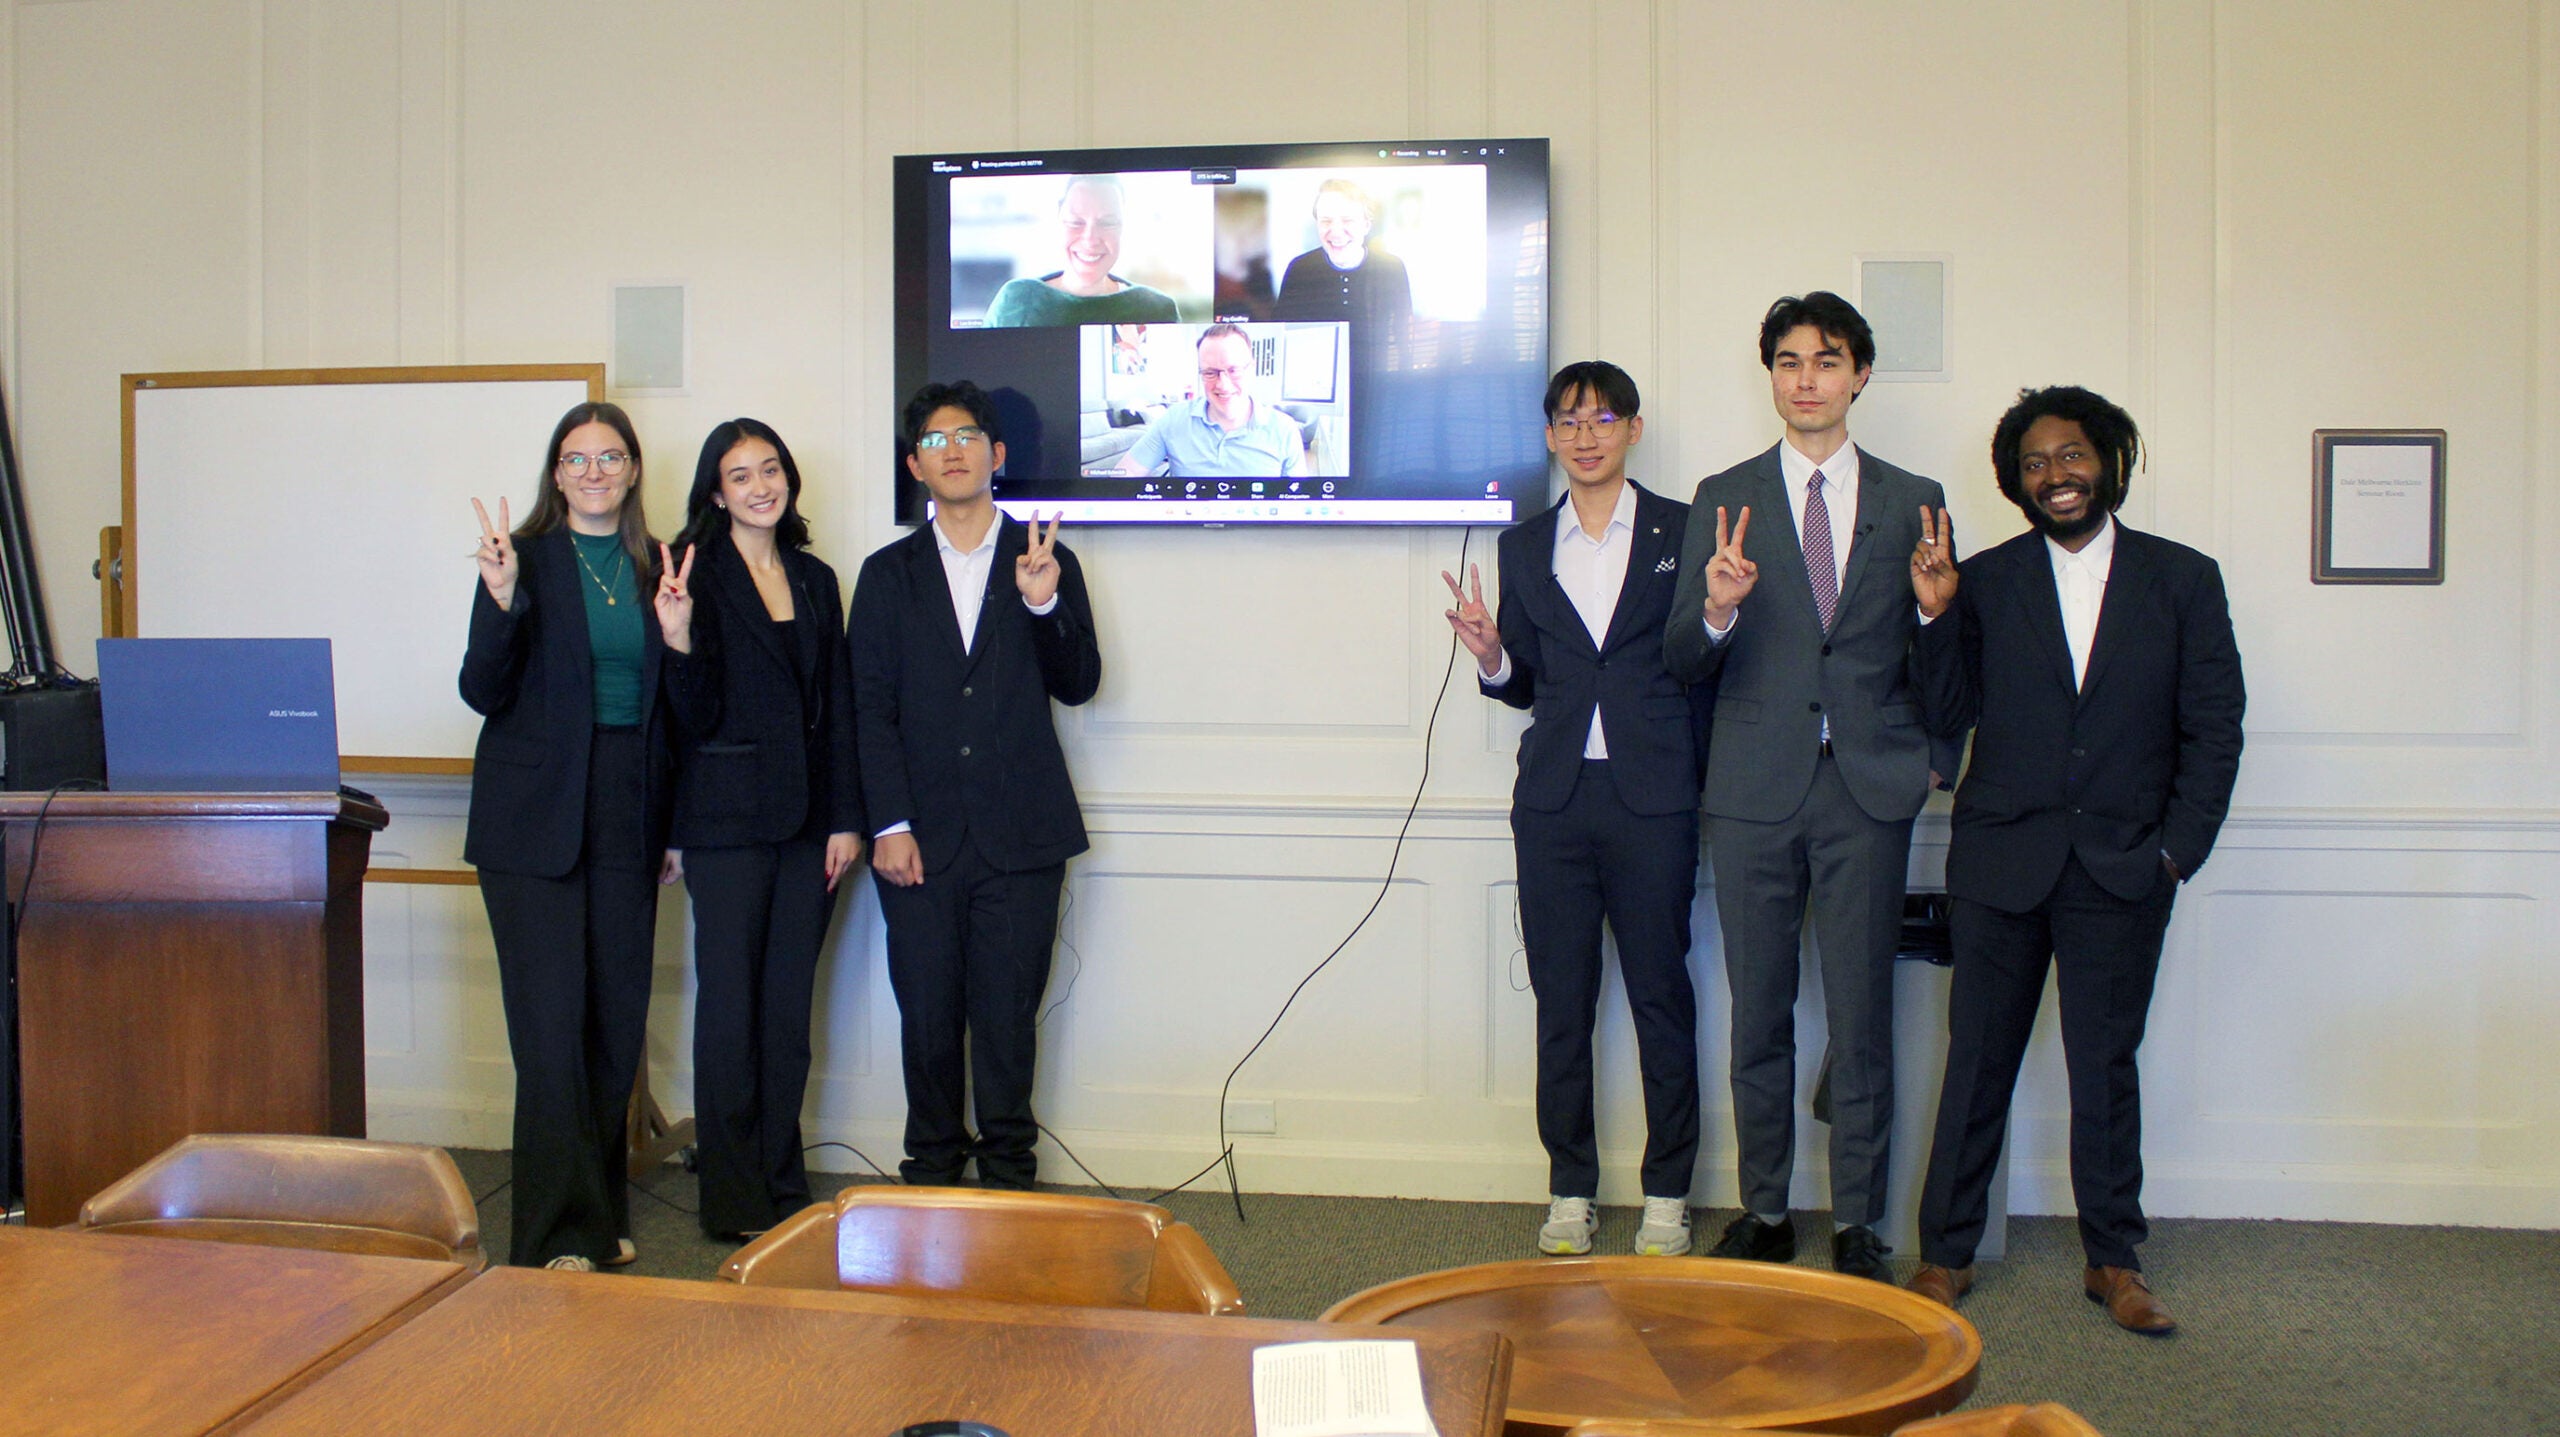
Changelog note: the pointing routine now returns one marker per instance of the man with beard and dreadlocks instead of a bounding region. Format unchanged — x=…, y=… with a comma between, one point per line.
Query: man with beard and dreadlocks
x=2097, y=668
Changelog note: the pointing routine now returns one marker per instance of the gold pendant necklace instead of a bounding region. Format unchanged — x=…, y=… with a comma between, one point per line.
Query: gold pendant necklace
x=603, y=587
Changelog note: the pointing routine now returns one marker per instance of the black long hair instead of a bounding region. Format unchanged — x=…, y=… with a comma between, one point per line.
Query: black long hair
x=551, y=507
x=705, y=520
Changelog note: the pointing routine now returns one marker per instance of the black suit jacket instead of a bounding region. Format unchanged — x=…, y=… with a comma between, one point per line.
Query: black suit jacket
x=2138, y=762
x=1655, y=725
x=957, y=741
x=530, y=674
x=757, y=744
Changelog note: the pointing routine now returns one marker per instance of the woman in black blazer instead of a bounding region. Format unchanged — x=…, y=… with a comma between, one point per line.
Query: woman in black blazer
x=768, y=808
x=568, y=824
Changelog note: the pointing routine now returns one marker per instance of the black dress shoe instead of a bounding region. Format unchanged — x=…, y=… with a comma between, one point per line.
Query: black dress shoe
x=1752, y=1240
x=1858, y=1252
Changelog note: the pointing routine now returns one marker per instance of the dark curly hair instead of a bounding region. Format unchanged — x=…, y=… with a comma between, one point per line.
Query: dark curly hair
x=2111, y=432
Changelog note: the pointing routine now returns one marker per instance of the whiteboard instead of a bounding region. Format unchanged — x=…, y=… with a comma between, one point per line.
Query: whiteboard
x=336, y=504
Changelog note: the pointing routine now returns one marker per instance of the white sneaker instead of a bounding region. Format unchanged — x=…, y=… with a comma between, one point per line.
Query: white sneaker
x=1568, y=1228
x=1665, y=1232
x=571, y=1262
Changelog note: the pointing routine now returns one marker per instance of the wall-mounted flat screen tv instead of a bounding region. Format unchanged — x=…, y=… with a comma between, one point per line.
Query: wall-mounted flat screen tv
x=1238, y=334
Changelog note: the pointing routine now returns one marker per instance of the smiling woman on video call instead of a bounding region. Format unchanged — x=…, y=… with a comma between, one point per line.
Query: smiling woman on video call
x=1345, y=277
x=1090, y=220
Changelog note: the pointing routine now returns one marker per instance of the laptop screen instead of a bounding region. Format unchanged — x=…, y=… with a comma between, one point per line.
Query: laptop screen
x=219, y=715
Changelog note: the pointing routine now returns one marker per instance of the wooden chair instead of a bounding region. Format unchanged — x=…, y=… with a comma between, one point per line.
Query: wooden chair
x=337, y=1194
x=1051, y=1248
x=2044, y=1419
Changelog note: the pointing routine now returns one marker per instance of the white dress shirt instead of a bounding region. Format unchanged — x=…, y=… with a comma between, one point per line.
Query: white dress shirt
x=2080, y=580
x=967, y=571
x=1591, y=572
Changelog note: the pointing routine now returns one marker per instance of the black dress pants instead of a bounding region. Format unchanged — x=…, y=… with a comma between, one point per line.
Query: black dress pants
x=760, y=914
x=1594, y=859
x=2107, y=952
x=969, y=953
x=574, y=958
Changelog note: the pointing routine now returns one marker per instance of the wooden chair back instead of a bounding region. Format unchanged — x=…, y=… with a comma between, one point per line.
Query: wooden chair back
x=337, y=1194
x=1051, y=1248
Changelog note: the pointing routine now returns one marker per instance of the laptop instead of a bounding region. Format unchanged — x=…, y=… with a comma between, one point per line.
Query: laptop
x=219, y=715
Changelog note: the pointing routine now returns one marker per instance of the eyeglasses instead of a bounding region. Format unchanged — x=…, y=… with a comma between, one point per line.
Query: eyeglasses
x=610, y=463
x=1229, y=372
x=964, y=436
x=1600, y=426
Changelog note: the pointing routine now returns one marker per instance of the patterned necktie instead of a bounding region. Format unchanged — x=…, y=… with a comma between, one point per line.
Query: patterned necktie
x=1818, y=566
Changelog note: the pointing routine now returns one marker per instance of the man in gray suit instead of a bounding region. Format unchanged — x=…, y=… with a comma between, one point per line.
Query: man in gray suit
x=1817, y=765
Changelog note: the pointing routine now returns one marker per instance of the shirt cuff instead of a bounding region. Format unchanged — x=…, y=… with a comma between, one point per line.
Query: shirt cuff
x=1042, y=610
x=1499, y=676
x=902, y=826
x=1718, y=636
x=1927, y=618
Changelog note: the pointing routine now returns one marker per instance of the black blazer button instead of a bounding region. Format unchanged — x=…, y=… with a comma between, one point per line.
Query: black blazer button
x=1826, y=651
x=1814, y=707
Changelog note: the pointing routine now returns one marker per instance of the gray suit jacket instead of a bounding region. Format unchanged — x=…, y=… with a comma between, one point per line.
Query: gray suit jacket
x=1779, y=674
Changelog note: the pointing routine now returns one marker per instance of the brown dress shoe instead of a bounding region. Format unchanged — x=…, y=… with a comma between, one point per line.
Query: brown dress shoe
x=1941, y=1285
x=2128, y=1299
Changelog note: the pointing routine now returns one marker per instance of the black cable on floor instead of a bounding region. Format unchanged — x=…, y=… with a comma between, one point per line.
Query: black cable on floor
x=857, y=1152
x=1430, y=727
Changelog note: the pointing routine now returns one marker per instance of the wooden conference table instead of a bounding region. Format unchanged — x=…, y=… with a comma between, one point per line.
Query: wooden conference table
x=524, y=1350
x=1751, y=1344
x=129, y=1336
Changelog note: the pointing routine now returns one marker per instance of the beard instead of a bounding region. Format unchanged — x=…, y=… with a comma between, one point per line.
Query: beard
x=2105, y=497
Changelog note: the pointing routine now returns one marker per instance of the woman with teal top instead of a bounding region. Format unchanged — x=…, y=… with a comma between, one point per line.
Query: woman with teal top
x=1085, y=291
x=568, y=824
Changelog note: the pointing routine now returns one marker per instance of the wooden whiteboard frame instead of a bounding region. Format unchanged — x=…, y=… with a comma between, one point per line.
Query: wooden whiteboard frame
x=128, y=601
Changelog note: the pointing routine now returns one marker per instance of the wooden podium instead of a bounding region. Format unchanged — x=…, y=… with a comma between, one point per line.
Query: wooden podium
x=187, y=963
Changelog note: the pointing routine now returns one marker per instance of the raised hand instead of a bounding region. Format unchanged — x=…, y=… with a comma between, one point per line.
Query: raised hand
x=675, y=598
x=1036, y=572
x=1473, y=622
x=1730, y=576
x=497, y=555
x=844, y=850
x=895, y=857
x=1933, y=563
x=671, y=868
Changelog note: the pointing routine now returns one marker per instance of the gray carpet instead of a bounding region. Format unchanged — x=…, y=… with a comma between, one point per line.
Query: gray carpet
x=2285, y=1327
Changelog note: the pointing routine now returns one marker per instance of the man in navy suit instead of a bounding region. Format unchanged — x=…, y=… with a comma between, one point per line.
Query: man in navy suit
x=1795, y=596
x=1604, y=817
x=2097, y=668
x=962, y=634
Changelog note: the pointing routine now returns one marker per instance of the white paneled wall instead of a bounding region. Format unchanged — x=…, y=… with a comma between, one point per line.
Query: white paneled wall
x=2245, y=218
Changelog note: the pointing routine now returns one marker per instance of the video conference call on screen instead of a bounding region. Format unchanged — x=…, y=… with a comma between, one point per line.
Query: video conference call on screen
x=1258, y=334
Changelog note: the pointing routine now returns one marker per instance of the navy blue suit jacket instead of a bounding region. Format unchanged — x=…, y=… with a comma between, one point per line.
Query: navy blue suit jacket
x=1655, y=725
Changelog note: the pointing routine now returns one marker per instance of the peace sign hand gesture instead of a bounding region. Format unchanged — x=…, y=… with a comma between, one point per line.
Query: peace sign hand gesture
x=1036, y=572
x=1730, y=576
x=1474, y=624
x=674, y=598
x=1933, y=563
x=497, y=555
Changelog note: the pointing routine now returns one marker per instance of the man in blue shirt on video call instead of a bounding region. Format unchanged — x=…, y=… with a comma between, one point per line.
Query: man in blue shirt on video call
x=1226, y=433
